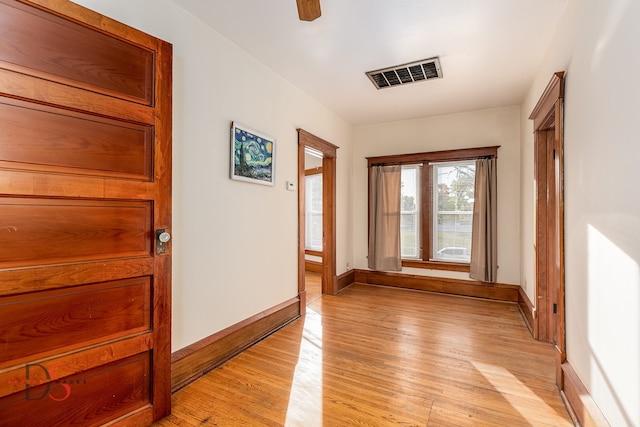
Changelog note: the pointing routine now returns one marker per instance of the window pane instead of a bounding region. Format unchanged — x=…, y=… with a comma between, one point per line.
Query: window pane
x=453, y=187
x=313, y=212
x=409, y=212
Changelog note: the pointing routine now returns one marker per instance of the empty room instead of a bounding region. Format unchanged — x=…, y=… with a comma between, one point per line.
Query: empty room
x=319, y=213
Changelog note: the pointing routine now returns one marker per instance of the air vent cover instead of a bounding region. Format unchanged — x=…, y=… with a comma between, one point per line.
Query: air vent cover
x=407, y=73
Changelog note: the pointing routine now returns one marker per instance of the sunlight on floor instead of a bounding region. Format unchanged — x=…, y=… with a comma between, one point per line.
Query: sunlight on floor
x=305, y=400
x=521, y=397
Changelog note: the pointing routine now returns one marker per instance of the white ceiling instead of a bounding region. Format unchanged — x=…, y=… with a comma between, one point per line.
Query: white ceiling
x=489, y=49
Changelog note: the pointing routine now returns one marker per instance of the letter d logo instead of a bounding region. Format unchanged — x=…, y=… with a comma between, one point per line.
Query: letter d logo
x=28, y=371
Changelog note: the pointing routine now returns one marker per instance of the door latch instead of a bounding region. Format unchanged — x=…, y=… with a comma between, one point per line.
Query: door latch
x=162, y=238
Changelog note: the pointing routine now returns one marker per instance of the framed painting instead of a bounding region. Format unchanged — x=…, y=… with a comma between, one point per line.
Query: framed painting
x=252, y=155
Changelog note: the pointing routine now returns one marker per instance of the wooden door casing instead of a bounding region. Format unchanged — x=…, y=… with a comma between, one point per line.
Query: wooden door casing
x=329, y=153
x=85, y=180
x=547, y=116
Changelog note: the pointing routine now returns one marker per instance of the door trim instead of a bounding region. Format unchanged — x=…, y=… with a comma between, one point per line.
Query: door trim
x=549, y=149
x=329, y=151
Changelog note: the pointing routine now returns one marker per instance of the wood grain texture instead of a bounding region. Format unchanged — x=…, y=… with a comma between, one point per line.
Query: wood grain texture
x=195, y=360
x=545, y=107
x=542, y=291
x=108, y=392
x=162, y=218
x=313, y=284
x=30, y=87
x=302, y=231
x=308, y=139
x=379, y=356
x=313, y=266
x=51, y=231
x=58, y=185
x=41, y=278
x=549, y=325
x=329, y=152
x=74, y=54
x=469, y=288
x=85, y=178
x=527, y=309
x=13, y=380
x=345, y=279
x=580, y=401
x=36, y=136
x=314, y=253
x=552, y=253
x=329, y=285
x=46, y=321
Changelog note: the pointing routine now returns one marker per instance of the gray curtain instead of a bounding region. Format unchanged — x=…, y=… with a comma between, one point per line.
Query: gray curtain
x=384, y=218
x=484, y=237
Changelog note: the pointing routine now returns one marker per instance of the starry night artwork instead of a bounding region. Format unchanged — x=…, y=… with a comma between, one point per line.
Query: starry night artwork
x=252, y=155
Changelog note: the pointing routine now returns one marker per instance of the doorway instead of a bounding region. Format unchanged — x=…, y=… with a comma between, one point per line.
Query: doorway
x=313, y=249
x=311, y=147
x=549, y=324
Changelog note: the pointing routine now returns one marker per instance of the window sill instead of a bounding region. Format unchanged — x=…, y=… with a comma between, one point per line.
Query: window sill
x=436, y=265
x=313, y=252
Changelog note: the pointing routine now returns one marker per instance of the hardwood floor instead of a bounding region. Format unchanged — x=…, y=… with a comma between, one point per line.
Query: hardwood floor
x=313, y=286
x=376, y=356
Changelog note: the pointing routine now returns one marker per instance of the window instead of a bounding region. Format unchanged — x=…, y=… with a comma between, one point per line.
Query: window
x=313, y=212
x=452, y=214
x=409, y=212
x=436, y=206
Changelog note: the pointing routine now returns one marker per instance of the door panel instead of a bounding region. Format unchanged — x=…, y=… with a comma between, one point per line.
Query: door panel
x=70, y=53
x=117, y=388
x=45, y=321
x=48, y=231
x=85, y=180
x=36, y=137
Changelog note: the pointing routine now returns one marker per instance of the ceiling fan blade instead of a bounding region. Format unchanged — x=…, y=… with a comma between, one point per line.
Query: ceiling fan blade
x=308, y=10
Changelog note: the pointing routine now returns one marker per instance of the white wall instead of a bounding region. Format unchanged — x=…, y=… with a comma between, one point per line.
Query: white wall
x=214, y=218
x=597, y=45
x=481, y=128
x=235, y=244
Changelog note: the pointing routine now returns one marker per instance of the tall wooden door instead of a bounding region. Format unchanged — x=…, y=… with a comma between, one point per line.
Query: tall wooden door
x=85, y=189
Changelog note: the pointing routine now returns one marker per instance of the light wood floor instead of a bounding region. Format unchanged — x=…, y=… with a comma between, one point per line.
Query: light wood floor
x=313, y=286
x=376, y=356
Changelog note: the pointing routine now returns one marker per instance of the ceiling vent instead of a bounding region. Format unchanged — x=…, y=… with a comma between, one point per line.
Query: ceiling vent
x=426, y=69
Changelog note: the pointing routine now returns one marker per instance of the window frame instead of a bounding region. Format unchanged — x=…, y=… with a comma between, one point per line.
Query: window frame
x=307, y=249
x=426, y=196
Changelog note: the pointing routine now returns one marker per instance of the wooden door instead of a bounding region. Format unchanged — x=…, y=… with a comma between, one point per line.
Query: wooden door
x=85, y=185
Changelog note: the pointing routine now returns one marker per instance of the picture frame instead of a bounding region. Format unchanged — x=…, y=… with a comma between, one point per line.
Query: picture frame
x=252, y=155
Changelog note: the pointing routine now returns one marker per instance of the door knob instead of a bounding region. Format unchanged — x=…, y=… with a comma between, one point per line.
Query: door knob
x=162, y=237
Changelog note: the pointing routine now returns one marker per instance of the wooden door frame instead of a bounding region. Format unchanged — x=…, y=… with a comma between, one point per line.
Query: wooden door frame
x=328, y=150
x=549, y=324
